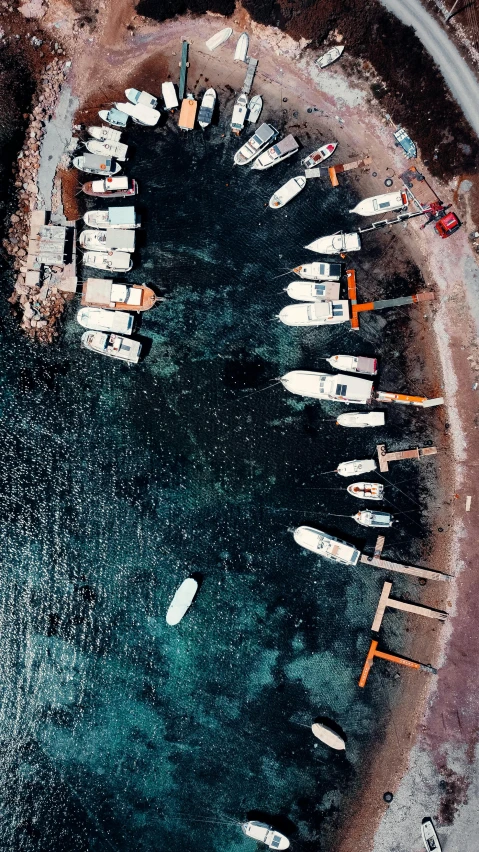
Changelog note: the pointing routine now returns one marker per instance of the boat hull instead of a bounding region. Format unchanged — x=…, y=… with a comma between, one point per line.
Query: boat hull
x=312, y=314
x=206, y=110
x=326, y=545
x=264, y=833
x=182, y=601
x=358, y=420
x=112, y=345
x=104, y=134
x=113, y=261
x=310, y=291
x=366, y=490
x=319, y=156
x=330, y=57
x=336, y=243
x=219, y=38
x=254, y=109
x=367, y=518
x=115, y=193
x=98, y=293
x=99, y=319
x=287, y=192
x=328, y=736
x=352, y=364
x=355, y=467
x=242, y=45
x=318, y=271
x=429, y=836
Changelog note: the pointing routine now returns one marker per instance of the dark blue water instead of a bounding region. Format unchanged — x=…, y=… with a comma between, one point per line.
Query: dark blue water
x=118, y=732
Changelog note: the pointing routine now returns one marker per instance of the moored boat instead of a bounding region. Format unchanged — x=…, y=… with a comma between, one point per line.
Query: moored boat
x=340, y=387
x=319, y=271
x=219, y=38
x=328, y=736
x=112, y=261
x=124, y=218
x=264, y=833
x=429, y=836
x=112, y=345
x=111, y=187
x=355, y=467
x=114, y=116
x=263, y=136
x=239, y=114
x=381, y=203
x=242, y=45
x=366, y=490
x=255, y=106
x=96, y=165
x=106, y=293
x=319, y=156
x=326, y=545
x=145, y=115
x=336, y=243
x=205, y=114
x=104, y=134
x=329, y=57
x=277, y=153
x=168, y=93
x=310, y=291
x=107, y=149
x=368, y=518
x=136, y=96
x=354, y=364
x=187, y=116
x=288, y=191
x=182, y=601
x=107, y=240
x=326, y=312
x=359, y=420
x=99, y=319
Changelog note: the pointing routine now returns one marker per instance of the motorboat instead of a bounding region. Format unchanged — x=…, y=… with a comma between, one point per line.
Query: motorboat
x=355, y=467
x=114, y=295
x=123, y=218
x=319, y=156
x=168, y=93
x=135, y=96
x=264, y=833
x=219, y=38
x=310, y=291
x=111, y=187
x=367, y=518
x=366, y=490
x=288, y=191
x=239, y=114
x=263, y=136
x=330, y=57
x=336, y=243
x=205, y=114
x=187, y=117
x=354, y=364
x=328, y=736
x=340, y=388
x=315, y=313
x=254, y=109
x=429, y=836
x=319, y=271
x=112, y=261
x=277, y=153
x=107, y=149
x=107, y=240
x=182, y=601
x=326, y=545
x=145, y=115
x=242, y=45
x=96, y=165
x=104, y=134
x=113, y=345
x=358, y=419
x=114, y=116
x=381, y=203
x=99, y=319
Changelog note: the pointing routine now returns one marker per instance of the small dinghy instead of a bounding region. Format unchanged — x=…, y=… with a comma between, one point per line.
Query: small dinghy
x=358, y=420
x=353, y=364
x=111, y=261
x=207, y=107
x=355, y=467
x=107, y=149
x=242, y=45
x=144, y=115
x=313, y=291
x=182, y=601
x=288, y=191
x=219, y=38
x=327, y=735
x=114, y=116
x=330, y=57
x=135, y=96
x=319, y=156
x=168, y=93
x=367, y=518
x=319, y=271
x=98, y=319
x=112, y=187
x=429, y=836
x=239, y=114
x=366, y=490
x=107, y=240
x=104, y=134
x=113, y=345
x=123, y=218
x=254, y=109
x=96, y=165
x=315, y=313
x=264, y=833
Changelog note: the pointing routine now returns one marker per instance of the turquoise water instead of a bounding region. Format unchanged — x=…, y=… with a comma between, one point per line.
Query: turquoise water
x=118, y=732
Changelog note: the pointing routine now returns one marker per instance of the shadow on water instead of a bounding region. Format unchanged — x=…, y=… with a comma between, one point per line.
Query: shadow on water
x=243, y=371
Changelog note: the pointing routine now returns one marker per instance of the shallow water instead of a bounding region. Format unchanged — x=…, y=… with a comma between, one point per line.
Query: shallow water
x=119, y=732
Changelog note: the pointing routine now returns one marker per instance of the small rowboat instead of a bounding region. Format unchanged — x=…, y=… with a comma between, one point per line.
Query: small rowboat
x=366, y=490
x=104, y=134
x=352, y=468
x=319, y=156
x=182, y=601
x=107, y=149
x=329, y=57
x=327, y=735
x=254, y=109
x=429, y=836
x=219, y=38
x=358, y=420
x=353, y=364
x=286, y=192
x=367, y=518
x=242, y=45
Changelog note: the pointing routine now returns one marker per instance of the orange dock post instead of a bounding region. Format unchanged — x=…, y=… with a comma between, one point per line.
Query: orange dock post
x=332, y=176
x=392, y=658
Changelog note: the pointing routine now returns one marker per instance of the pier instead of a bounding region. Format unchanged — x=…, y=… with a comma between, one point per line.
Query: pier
x=385, y=458
x=251, y=71
x=184, y=65
x=373, y=654
x=386, y=601
x=377, y=562
x=332, y=171
x=379, y=305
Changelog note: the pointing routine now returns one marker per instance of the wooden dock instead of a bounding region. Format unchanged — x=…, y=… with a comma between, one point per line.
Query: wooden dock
x=386, y=601
x=377, y=562
x=332, y=171
x=386, y=458
x=184, y=64
x=251, y=71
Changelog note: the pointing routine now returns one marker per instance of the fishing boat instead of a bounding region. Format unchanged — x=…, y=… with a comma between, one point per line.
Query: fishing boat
x=330, y=57
x=242, y=45
x=326, y=734
x=99, y=319
x=107, y=240
x=336, y=243
x=219, y=38
x=182, y=601
x=326, y=312
x=326, y=545
x=355, y=467
x=168, y=93
x=264, y=135
x=288, y=191
x=357, y=419
x=112, y=261
x=96, y=165
x=366, y=490
x=114, y=116
x=381, y=203
x=277, y=153
x=254, y=109
x=107, y=149
x=239, y=114
x=340, y=387
x=319, y=156
x=111, y=187
x=310, y=291
x=367, y=518
x=429, y=836
x=205, y=114
x=124, y=218
x=319, y=271
x=264, y=833
x=113, y=295
x=113, y=345
x=354, y=364
x=135, y=96
x=144, y=115
x=104, y=134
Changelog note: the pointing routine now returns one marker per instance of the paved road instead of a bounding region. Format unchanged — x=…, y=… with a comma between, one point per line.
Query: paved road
x=458, y=76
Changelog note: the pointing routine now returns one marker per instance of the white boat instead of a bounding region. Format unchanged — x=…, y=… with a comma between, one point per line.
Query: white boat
x=135, y=96
x=319, y=271
x=277, y=153
x=114, y=295
x=107, y=240
x=315, y=313
x=104, y=134
x=366, y=490
x=326, y=545
x=336, y=243
x=96, y=165
x=357, y=419
x=112, y=261
x=264, y=135
x=140, y=114
x=367, y=518
x=111, y=187
x=319, y=156
x=219, y=38
x=113, y=345
x=114, y=116
x=264, y=833
x=329, y=57
x=182, y=601
x=239, y=114
x=429, y=836
x=354, y=364
x=242, y=45
x=168, y=93
x=207, y=107
x=381, y=203
x=310, y=291
x=355, y=467
x=107, y=149
x=340, y=388
x=99, y=319
x=327, y=735
x=288, y=191
x=124, y=218
x=254, y=109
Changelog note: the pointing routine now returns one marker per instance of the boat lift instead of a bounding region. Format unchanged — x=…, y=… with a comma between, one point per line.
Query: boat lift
x=393, y=658
x=184, y=64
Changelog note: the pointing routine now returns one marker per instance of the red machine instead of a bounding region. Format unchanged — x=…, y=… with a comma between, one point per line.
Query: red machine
x=448, y=225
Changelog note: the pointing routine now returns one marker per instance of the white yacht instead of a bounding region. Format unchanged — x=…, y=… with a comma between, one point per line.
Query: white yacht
x=326, y=545
x=354, y=364
x=358, y=419
x=329, y=57
x=111, y=187
x=112, y=261
x=336, y=243
x=114, y=116
x=328, y=736
x=113, y=345
x=107, y=149
x=264, y=833
x=147, y=116
x=381, y=203
x=263, y=136
x=124, y=218
x=135, y=96
x=239, y=114
x=315, y=313
x=242, y=45
x=104, y=134
x=355, y=467
x=340, y=388
x=367, y=518
x=366, y=490
x=207, y=107
x=219, y=38
x=319, y=156
x=182, y=601
x=319, y=271
x=254, y=109
x=310, y=291
x=99, y=319
x=96, y=165
x=168, y=93
x=277, y=153
x=107, y=240
x=288, y=191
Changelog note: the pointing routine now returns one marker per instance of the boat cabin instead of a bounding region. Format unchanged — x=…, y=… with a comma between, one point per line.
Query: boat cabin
x=187, y=117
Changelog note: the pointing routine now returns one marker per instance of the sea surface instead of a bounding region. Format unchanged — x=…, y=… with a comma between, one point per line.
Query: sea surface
x=118, y=732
